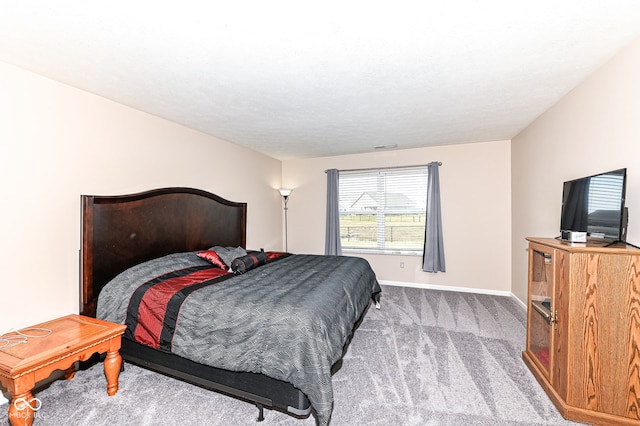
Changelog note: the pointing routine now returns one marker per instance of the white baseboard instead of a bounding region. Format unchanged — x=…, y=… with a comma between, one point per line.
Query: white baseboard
x=452, y=288
x=520, y=302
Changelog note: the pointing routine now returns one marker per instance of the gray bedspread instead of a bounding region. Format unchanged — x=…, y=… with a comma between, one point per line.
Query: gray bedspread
x=289, y=319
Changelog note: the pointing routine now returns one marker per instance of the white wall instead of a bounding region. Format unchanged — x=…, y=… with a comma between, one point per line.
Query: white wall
x=595, y=128
x=475, y=196
x=58, y=142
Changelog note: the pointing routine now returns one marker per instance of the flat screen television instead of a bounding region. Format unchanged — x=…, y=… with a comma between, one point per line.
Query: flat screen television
x=595, y=205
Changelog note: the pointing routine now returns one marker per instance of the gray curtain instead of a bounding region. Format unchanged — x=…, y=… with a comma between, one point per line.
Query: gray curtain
x=433, y=255
x=332, y=244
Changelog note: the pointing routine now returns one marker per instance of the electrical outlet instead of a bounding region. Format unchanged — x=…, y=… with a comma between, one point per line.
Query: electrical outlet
x=402, y=264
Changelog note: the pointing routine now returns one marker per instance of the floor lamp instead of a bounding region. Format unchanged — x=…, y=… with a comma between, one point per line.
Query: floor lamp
x=285, y=198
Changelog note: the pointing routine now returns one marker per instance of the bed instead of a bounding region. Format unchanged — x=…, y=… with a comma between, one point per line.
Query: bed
x=270, y=333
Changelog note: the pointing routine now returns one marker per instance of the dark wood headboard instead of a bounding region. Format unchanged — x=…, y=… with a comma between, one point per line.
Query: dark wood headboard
x=119, y=232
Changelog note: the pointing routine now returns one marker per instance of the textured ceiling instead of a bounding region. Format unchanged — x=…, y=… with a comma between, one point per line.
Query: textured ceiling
x=316, y=78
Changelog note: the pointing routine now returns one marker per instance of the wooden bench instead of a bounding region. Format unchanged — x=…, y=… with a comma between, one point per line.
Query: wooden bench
x=33, y=353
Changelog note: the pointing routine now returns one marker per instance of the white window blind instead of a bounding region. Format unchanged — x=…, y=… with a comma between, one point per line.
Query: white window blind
x=383, y=210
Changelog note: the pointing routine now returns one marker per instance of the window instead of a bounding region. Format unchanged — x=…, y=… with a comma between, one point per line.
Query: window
x=383, y=210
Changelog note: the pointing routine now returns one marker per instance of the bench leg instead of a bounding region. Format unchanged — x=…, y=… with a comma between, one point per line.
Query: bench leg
x=70, y=372
x=112, y=364
x=22, y=409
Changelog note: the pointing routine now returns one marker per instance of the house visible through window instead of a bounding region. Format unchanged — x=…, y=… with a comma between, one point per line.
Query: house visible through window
x=383, y=210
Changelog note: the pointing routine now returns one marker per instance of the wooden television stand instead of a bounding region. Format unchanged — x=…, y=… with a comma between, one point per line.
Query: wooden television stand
x=583, y=328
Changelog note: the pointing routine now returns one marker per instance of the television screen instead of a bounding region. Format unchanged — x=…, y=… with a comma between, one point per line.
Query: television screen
x=595, y=205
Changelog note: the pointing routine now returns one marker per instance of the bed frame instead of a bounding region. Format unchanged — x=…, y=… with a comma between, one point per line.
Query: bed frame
x=119, y=232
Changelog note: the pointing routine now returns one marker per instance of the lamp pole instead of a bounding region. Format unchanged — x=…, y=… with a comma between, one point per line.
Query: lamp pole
x=286, y=222
x=285, y=198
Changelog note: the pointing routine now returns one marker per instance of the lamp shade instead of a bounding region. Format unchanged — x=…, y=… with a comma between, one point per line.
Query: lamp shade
x=285, y=192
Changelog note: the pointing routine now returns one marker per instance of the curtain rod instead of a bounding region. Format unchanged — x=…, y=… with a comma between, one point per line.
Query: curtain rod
x=385, y=168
